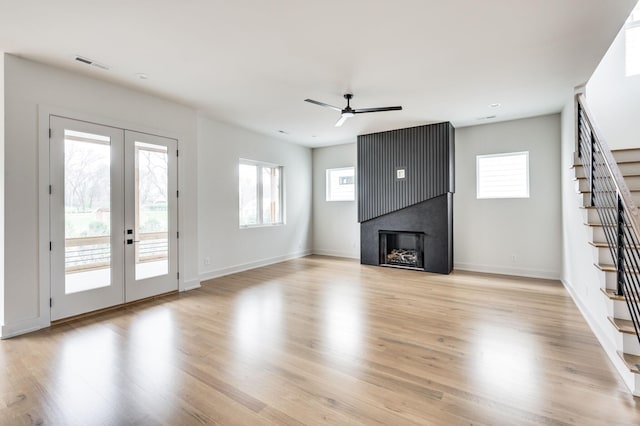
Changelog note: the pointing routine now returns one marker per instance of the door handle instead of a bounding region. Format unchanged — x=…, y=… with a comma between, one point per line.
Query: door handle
x=130, y=241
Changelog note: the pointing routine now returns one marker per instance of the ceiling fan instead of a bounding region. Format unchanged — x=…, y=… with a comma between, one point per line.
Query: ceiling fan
x=349, y=112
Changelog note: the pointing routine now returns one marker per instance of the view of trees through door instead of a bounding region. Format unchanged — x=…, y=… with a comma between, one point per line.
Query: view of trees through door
x=88, y=211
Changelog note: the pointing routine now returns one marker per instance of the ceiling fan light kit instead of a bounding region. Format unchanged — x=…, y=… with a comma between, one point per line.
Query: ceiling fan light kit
x=348, y=112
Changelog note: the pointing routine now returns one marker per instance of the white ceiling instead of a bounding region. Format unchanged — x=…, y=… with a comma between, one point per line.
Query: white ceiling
x=252, y=62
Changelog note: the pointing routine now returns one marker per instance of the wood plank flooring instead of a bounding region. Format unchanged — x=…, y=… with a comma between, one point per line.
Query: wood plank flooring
x=322, y=340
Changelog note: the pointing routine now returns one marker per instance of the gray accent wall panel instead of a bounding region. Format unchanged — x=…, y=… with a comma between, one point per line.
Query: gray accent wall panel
x=426, y=155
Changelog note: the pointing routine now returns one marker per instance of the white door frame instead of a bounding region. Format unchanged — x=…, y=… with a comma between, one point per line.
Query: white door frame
x=44, y=262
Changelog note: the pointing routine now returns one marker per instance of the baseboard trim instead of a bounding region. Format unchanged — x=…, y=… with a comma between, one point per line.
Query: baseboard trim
x=190, y=285
x=505, y=270
x=608, y=345
x=336, y=253
x=598, y=331
x=251, y=265
x=24, y=327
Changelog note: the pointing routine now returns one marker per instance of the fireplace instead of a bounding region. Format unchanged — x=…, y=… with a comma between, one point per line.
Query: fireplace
x=406, y=183
x=402, y=249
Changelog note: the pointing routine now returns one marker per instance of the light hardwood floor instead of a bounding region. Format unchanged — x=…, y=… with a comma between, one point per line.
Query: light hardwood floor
x=321, y=340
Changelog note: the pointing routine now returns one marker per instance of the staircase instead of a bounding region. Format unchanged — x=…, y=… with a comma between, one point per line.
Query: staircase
x=608, y=184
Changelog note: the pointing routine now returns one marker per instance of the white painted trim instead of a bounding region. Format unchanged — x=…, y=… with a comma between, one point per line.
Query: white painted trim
x=506, y=270
x=44, y=233
x=251, y=265
x=336, y=253
x=601, y=335
x=607, y=344
x=23, y=327
x=190, y=285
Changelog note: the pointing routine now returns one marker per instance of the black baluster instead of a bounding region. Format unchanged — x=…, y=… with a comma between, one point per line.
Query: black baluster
x=620, y=254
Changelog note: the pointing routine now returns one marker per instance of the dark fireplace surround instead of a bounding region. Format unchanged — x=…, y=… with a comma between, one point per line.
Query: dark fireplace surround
x=405, y=198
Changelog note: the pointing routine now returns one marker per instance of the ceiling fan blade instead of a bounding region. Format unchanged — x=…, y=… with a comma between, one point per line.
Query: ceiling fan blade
x=363, y=110
x=340, y=122
x=323, y=104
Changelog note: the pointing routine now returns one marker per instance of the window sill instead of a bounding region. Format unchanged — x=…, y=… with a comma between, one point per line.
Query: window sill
x=273, y=225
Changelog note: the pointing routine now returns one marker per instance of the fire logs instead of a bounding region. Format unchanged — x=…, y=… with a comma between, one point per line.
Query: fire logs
x=403, y=257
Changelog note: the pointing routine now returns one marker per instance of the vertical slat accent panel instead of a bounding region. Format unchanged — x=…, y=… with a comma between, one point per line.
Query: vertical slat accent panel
x=426, y=152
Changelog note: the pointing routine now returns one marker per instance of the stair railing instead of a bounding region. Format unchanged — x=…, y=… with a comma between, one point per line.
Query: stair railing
x=618, y=214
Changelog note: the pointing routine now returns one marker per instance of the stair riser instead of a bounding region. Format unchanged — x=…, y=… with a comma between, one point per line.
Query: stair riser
x=597, y=234
x=621, y=156
x=603, y=255
x=618, y=309
x=610, y=280
x=625, y=168
x=627, y=343
x=633, y=183
x=624, y=155
x=585, y=198
x=592, y=216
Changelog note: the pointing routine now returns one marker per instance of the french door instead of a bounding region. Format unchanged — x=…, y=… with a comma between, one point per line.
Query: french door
x=113, y=216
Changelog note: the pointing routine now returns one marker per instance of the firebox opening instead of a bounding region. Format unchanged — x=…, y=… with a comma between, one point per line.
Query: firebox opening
x=402, y=249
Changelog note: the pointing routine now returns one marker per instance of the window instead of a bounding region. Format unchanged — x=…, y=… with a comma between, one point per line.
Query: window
x=260, y=187
x=632, y=43
x=503, y=175
x=341, y=184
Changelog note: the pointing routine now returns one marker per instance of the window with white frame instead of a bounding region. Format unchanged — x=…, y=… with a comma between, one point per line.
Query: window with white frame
x=341, y=185
x=632, y=43
x=503, y=175
x=260, y=188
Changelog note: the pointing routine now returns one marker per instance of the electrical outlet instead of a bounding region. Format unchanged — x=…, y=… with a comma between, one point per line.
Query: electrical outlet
x=514, y=258
x=207, y=260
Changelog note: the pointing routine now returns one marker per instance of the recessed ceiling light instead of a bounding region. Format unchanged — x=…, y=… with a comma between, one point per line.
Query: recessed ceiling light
x=495, y=105
x=142, y=76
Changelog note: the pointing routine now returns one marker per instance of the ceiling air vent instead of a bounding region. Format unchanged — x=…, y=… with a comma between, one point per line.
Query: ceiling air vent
x=91, y=62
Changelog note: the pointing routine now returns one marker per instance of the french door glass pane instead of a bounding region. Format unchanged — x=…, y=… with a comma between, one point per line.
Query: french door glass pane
x=152, y=212
x=87, y=211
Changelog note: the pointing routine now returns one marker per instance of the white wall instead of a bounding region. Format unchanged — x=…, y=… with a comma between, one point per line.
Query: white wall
x=226, y=246
x=1, y=187
x=488, y=233
x=614, y=98
x=30, y=86
x=336, y=231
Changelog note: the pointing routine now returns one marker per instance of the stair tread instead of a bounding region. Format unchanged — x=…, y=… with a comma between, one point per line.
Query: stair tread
x=625, y=149
x=606, y=245
x=632, y=361
x=624, y=161
x=628, y=174
x=600, y=225
x=594, y=207
x=611, y=294
x=606, y=267
x=589, y=192
x=623, y=325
